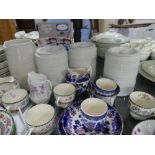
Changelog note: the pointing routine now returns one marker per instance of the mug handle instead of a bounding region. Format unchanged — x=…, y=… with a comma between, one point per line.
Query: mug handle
x=58, y=101
x=50, y=84
x=90, y=70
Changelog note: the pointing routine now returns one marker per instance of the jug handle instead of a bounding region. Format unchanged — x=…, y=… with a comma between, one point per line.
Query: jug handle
x=50, y=84
x=58, y=101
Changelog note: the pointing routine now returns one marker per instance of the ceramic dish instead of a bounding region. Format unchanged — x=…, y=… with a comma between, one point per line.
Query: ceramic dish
x=146, y=75
x=144, y=128
x=15, y=98
x=40, y=118
x=7, y=125
x=149, y=67
x=70, y=122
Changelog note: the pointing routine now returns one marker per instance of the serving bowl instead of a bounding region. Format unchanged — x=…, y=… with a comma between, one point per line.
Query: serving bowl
x=40, y=117
x=141, y=105
x=15, y=98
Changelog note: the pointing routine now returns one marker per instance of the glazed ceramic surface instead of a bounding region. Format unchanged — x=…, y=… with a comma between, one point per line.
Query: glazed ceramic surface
x=64, y=94
x=93, y=113
x=149, y=67
x=106, y=40
x=141, y=105
x=7, y=125
x=70, y=122
x=121, y=65
x=40, y=88
x=52, y=61
x=81, y=82
x=104, y=86
x=7, y=84
x=144, y=128
x=83, y=54
x=20, y=56
x=146, y=75
x=40, y=118
x=15, y=98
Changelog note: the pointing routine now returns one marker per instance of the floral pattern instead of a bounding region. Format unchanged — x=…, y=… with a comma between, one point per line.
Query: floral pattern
x=70, y=123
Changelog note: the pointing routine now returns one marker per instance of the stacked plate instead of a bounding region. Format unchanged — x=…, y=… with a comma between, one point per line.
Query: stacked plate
x=4, y=70
x=83, y=54
x=52, y=61
x=121, y=65
x=147, y=70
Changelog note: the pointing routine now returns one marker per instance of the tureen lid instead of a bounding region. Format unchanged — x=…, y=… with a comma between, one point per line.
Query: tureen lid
x=39, y=115
x=110, y=37
x=14, y=95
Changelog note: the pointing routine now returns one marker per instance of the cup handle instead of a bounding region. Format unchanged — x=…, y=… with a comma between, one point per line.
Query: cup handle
x=50, y=84
x=90, y=70
x=58, y=101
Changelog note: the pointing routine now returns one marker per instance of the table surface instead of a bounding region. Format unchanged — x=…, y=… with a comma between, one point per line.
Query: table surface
x=121, y=103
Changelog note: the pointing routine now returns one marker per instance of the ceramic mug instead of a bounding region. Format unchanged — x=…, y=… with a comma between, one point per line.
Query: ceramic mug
x=93, y=113
x=40, y=92
x=64, y=94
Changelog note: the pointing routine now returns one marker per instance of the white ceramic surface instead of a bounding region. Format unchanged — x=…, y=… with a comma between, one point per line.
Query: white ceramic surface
x=64, y=94
x=52, y=61
x=149, y=67
x=20, y=55
x=144, y=128
x=83, y=54
x=121, y=65
x=40, y=88
x=40, y=118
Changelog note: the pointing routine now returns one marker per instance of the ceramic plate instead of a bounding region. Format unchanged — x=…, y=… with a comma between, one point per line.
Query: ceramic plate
x=70, y=122
x=146, y=75
x=149, y=67
x=7, y=125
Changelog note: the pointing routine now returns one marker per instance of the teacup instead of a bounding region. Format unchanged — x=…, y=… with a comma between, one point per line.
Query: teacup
x=93, y=113
x=64, y=94
x=104, y=86
x=141, y=105
x=80, y=78
x=40, y=88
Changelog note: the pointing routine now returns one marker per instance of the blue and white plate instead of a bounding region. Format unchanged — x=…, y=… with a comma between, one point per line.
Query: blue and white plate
x=70, y=122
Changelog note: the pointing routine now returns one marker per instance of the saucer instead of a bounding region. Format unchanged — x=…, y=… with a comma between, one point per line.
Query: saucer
x=70, y=122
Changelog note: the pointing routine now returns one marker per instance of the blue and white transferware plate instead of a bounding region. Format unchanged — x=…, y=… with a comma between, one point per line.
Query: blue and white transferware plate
x=70, y=122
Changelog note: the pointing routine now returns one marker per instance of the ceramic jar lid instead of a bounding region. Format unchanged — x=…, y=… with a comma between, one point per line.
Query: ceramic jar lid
x=110, y=37
x=122, y=51
x=14, y=95
x=39, y=114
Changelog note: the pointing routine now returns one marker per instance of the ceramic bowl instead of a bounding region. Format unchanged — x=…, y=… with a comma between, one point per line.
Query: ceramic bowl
x=15, y=98
x=93, y=113
x=144, y=128
x=141, y=105
x=64, y=94
x=104, y=86
x=40, y=117
x=8, y=83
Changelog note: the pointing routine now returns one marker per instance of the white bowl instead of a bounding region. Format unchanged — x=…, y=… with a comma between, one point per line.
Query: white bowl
x=144, y=128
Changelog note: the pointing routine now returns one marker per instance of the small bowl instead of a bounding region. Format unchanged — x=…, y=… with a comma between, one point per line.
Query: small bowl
x=144, y=128
x=15, y=98
x=141, y=105
x=41, y=118
x=104, y=86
